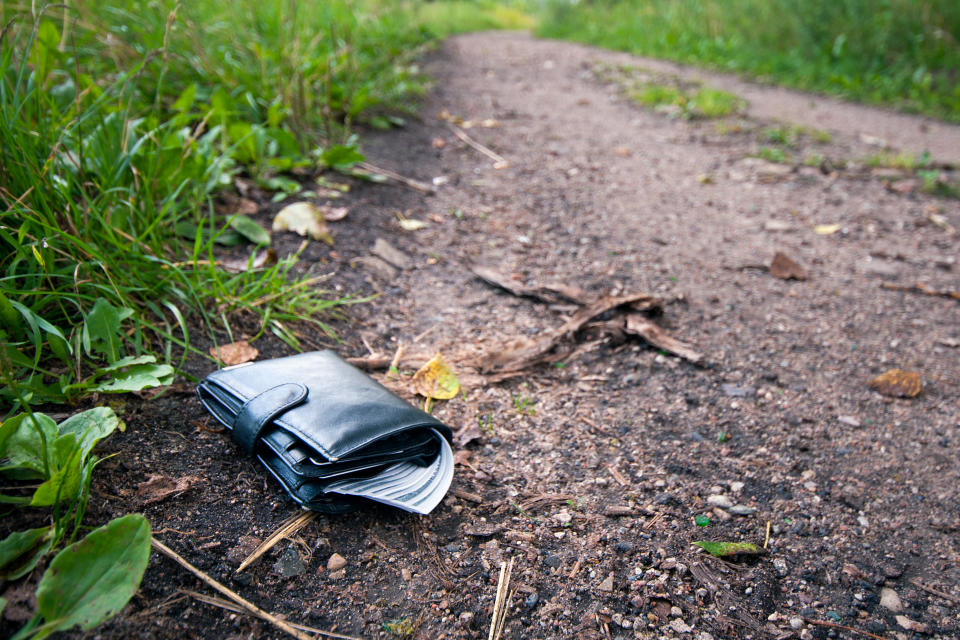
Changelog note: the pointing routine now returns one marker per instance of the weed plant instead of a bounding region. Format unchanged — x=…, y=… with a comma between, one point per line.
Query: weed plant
x=119, y=121
x=904, y=53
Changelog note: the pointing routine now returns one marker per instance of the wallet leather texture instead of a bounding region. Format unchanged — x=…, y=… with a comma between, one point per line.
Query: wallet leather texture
x=316, y=421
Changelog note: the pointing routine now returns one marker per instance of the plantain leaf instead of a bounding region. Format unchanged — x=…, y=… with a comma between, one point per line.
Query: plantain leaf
x=21, y=551
x=92, y=580
x=250, y=229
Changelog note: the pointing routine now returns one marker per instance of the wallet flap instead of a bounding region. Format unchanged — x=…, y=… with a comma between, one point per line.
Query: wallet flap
x=261, y=409
x=344, y=411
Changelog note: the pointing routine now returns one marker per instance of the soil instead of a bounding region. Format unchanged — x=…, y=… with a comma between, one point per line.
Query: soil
x=590, y=473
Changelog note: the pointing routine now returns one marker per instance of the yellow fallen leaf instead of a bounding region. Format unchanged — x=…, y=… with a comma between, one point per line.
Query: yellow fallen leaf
x=436, y=380
x=409, y=224
x=304, y=219
x=826, y=229
x=898, y=383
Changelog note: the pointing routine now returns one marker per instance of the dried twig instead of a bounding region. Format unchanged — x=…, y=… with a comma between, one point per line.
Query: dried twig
x=249, y=607
x=921, y=288
x=502, y=602
x=499, y=162
x=833, y=625
x=547, y=293
x=229, y=606
x=943, y=594
x=287, y=529
x=409, y=182
x=640, y=326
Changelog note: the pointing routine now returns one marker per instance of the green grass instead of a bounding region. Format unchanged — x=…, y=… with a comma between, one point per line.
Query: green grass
x=444, y=18
x=902, y=53
x=671, y=95
x=119, y=123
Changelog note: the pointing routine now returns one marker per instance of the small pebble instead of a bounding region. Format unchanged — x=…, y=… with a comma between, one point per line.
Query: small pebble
x=742, y=510
x=607, y=584
x=890, y=600
x=719, y=500
x=680, y=626
x=336, y=562
x=796, y=622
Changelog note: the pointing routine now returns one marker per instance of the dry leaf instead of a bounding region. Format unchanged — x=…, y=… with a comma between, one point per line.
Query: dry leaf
x=466, y=435
x=160, y=487
x=231, y=204
x=786, y=268
x=305, y=219
x=333, y=214
x=826, y=229
x=264, y=258
x=234, y=353
x=898, y=383
x=409, y=224
x=436, y=380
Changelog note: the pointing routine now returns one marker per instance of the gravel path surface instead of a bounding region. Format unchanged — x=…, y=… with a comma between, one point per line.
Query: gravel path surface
x=596, y=473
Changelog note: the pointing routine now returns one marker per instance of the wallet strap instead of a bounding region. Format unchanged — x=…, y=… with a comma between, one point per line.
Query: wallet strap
x=261, y=409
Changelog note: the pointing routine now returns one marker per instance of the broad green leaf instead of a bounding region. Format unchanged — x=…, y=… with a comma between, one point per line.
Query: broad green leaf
x=250, y=229
x=30, y=443
x=724, y=549
x=63, y=486
x=3, y=605
x=101, y=330
x=185, y=101
x=126, y=362
x=21, y=550
x=91, y=581
x=341, y=157
x=90, y=427
x=138, y=377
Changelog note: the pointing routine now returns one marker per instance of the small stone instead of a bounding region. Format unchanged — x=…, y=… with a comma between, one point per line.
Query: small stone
x=453, y=547
x=563, y=517
x=244, y=547
x=406, y=574
x=338, y=575
x=737, y=391
x=680, y=626
x=737, y=487
x=466, y=618
x=607, y=585
x=668, y=563
x=703, y=635
x=850, y=421
x=890, y=600
x=624, y=546
x=796, y=622
x=742, y=510
x=806, y=634
x=676, y=612
x=720, y=500
x=531, y=600
x=781, y=567
x=552, y=561
x=289, y=565
x=336, y=562
x=912, y=625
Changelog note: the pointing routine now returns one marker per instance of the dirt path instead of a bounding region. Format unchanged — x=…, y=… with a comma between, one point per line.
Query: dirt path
x=590, y=474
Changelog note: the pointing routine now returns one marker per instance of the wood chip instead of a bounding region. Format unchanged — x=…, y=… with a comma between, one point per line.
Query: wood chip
x=786, y=268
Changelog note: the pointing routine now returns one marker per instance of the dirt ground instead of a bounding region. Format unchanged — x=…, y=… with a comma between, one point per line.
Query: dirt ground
x=590, y=473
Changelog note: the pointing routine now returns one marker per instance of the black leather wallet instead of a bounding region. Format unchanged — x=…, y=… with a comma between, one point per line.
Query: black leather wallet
x=331, y=434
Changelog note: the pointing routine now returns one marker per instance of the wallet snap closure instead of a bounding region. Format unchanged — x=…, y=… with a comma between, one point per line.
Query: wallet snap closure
x=262, y=408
